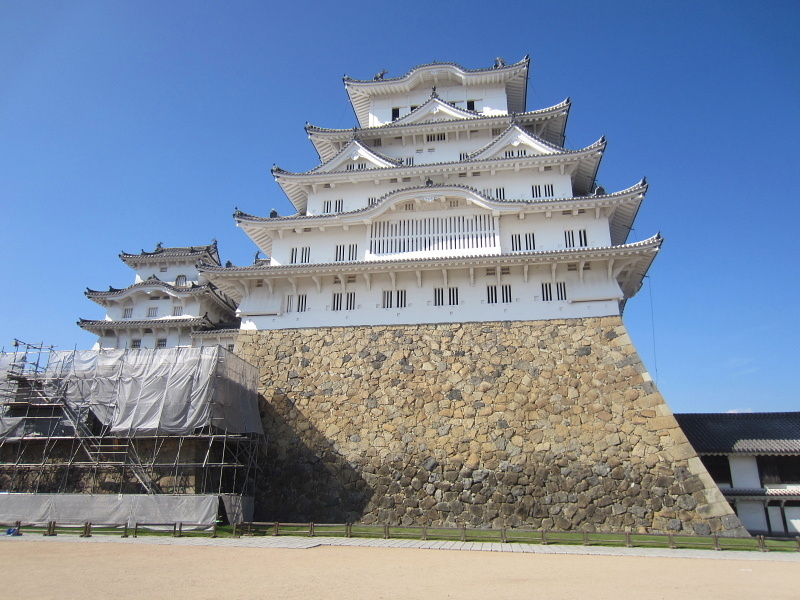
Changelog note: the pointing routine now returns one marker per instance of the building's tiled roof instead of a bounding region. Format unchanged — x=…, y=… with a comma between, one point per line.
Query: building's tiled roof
x=161, y=253
x=742, y=433
x=159, y=323
x=477, y=117
x=525, y=60
x=781, y=492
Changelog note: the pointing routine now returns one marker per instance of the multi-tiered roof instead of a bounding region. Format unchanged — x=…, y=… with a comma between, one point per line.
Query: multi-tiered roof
x=446, y=180
x=168, y=301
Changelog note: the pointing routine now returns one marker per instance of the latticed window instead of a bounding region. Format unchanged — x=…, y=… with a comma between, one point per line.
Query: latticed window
x=127, y=313
x=180, y=281
x=547, y=292
x=161, y=343
x=561, y=290
x=433, y=234
x=152, y=312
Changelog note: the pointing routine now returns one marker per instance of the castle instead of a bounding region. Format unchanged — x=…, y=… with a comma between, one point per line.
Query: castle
x=438, y=328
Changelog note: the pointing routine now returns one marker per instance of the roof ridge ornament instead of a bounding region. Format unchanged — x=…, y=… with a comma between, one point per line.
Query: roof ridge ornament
x=499, y=63
x=433, y=93
x=378, y=76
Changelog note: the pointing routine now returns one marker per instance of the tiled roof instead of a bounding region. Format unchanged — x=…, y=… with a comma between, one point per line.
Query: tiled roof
x=524, y=61
x=742, y=433
x=160, y=323
x=173, y=252
x=478, y=117
x=781, y=492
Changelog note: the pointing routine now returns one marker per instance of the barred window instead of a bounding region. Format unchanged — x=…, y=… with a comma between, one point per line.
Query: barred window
x=388, y=297
x=491, y=294
x=351, y=301
x=506, y=293
x=401, y=298
x=561, y=290
x=127, y=313
x=438, y=296
x=337, y=301
x=302, y=302
x=452, y=296
x=547, y=292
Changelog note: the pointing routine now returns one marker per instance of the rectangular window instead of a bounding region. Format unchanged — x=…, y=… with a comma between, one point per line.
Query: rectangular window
x=516, y=242
x=395, y=113
x=388, y=297
x=305, y=254
x=530, y=241
x=548, y=190
x=161, y=343
x=491, y=294
x=177, y=311
x=377, y=143
x=536, y=191
x=136, y=343
x=583, y=239
x=290, y=303
x=293, y=256
x=231, y=347
x=779, y=469
x=409, y=206
x=509, y=154
x=569, y=238
x=127, y=313
x=500, y=193
x=339, y=253
x=152, y=311
x=547, y=292
x=505, y=291
x=471, y=105
x=438, y=296
x=561, y=290
x=719, y=467
x=362, y=165
x=326, y=206
x=497, y=131
x=452, y=296
x=400, y=296
x=408, y=161
x=522, y=152
x=350, y=166
x=414, y=107
x=338, y=205
x=351, y=301
x=302, y=303
x=352, y=252
x=372, y=201
x=436, y=137
x=463, y=156
x=337, y=301
x=453, y=203
x=163, y=269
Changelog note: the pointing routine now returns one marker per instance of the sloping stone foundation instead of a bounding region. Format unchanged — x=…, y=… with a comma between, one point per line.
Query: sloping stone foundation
x=553, y=424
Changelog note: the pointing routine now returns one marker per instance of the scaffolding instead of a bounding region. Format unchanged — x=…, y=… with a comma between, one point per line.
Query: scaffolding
x=174, y=421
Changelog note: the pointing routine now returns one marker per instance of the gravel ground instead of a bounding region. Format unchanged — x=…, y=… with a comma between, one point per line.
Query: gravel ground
x=65, y=569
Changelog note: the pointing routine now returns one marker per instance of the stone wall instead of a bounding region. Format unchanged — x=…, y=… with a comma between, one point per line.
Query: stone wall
x=553, y=424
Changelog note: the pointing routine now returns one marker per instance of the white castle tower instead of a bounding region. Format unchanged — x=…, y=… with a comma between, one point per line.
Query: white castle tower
x=170, y=303
x=449, y=203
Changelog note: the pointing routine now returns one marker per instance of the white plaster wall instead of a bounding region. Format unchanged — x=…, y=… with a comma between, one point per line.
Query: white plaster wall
x=751, y=514
x=489, y=100
x=744, y=472
x=549, y=234
x=517, y=187
x=168, y=276
x=793, y=519
x=527, y=303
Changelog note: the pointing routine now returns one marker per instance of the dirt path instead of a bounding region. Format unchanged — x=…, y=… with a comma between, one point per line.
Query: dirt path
x=87, y=571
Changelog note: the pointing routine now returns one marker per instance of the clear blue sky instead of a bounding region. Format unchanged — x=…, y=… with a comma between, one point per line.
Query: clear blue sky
x=124, y=124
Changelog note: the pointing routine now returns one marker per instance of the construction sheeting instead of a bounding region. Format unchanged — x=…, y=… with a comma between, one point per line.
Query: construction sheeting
x=173, y=391
x=109, y=508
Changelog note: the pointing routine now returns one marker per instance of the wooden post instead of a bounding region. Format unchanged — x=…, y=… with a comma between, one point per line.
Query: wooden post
x=136, y=529
x=628, y=543
x=386, y=531
x=276, y=528
x=672, y=540
x=464, y=533
x=311, y=529
x=585, y=538
x=715, y=537
x=425, y=533
x=87, y=529
x=761, y=544
x=797, y=539
x=180, y=530
x=125, y=530
x=348, y=530
x=214, y=530
x=174, y=530
x=233, y=533
x=544, y=537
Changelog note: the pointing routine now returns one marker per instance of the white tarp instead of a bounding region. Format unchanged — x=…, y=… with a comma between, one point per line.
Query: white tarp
x=198, y=509
x=171, y=391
